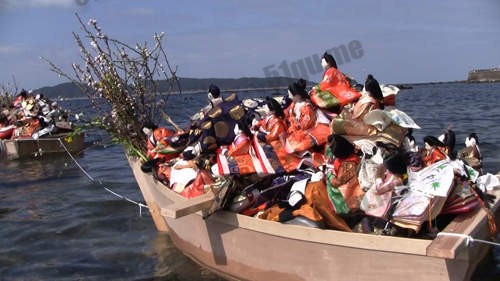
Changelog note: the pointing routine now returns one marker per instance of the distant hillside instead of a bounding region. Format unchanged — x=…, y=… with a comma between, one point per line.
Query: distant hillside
x=188, y=85
x=67, y=90
x=194, y=84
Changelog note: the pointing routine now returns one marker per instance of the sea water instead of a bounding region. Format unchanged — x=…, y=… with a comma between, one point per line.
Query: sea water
x=57, y=224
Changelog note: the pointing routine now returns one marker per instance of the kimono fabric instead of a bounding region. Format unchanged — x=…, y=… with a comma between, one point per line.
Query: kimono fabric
x=275, y=130
x=334, y=91
x=304, y=130
x=343, y=187
x=316, y=207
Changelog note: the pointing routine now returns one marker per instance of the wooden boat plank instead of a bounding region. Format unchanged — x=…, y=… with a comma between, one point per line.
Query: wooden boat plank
x=255, y=255
x=332, y=237
x=473, y=224
x=154, y=199
x=184, y=208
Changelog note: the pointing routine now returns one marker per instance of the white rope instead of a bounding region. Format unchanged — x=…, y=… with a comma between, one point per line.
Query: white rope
x=76, y=162
x=100, y=182
x=127, y=199
x=469, y=239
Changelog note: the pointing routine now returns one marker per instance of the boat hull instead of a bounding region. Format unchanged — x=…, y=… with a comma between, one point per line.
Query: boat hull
x=246, y=248
x=31, y=148
x=243, y=254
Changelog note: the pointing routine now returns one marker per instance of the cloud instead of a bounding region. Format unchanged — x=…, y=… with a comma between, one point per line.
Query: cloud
x=5, y=4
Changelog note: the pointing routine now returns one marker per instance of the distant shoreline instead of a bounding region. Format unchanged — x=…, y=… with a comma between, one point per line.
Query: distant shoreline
x=195, y=92
x=54, y=92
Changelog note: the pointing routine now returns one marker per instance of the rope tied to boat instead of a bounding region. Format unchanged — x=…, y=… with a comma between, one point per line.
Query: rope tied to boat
x=93, y=180
x=468, y=239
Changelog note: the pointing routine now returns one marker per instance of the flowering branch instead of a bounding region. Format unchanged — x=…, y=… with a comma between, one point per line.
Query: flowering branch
x=7, y=93
x=121, y=82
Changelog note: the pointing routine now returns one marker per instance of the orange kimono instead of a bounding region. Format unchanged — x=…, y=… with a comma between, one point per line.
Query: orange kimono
x=273, y=126
x=334, y=91
x=275, y=130
x=315, y=208
x=344, y=179
x=30, y=127
x=239, y=150
x=300, y=116
x=433, y=156
x=304, y=130
x=333, y=79
x=158, y=147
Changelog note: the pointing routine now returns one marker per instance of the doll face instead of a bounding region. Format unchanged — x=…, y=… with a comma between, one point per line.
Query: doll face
x=470, y=142
x=324, y=64
x=236, y=130
x=297, y=98
x=147, y=131
x=266, y=108
x=428, y=146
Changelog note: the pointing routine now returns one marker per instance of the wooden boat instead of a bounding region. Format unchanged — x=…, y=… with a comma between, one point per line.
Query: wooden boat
x=30, y=148
x=246, y=248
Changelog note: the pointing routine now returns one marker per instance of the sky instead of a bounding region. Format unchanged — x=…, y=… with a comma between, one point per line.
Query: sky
x=396, y=41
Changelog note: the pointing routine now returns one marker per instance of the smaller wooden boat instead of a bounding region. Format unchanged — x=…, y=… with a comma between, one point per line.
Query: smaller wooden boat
x=30, y=148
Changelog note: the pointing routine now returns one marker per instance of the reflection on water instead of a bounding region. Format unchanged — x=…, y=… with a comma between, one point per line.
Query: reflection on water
x=173, y=265
x=57, y=225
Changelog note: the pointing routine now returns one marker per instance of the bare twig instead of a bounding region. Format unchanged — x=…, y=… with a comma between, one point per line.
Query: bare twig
x=120, y=81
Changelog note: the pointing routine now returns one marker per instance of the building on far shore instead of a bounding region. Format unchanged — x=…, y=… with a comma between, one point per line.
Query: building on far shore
x=484, y=75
